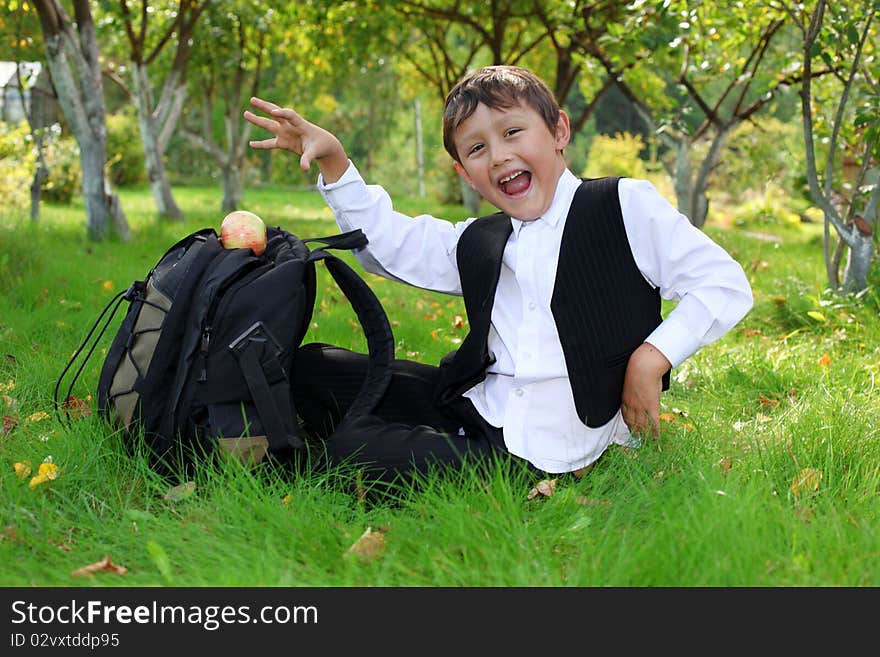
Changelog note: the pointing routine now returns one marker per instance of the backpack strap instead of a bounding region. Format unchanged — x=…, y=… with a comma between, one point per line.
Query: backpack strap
x=257, y=353
x=370, y=313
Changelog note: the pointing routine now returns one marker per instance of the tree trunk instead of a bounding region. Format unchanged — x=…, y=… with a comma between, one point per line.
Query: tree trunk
x=232, y=187
x=699, y=204
x=681, y=178
x=470, y=198
x=72, y=55
x=154, y=150
x=861, y=252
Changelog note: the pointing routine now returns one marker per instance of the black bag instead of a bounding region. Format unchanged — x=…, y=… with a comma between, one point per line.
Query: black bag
x=204, y=356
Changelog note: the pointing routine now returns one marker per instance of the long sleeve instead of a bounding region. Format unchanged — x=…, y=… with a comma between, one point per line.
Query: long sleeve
x=416, y=250
x=711, y=288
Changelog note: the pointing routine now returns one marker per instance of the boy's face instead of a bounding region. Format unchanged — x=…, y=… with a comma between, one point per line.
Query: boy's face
x=511, y=158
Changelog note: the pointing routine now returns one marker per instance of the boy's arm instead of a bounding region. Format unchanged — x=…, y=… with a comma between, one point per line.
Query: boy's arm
x=711, y=288
x=419, y=250
x=293, y=133
x=642, y=386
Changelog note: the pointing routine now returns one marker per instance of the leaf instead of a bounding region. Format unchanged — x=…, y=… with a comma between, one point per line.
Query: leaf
x=768, y=402
x=181, y=492
x=22, y=469
x=160, y=559
x=545, y=487
x=457, y=322
x=824, y=361
x=370, y=545
x=9, y=386
x=815, y=314
x=667, y=417
x=725, y=464
x=39, y=416
x=806, y=480
x=47, y=471
x=105, y=565
x=8, y=424
x=77, y=408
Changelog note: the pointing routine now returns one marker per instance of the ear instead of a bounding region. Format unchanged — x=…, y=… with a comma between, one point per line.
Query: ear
x=563, y=131
x=463, y=173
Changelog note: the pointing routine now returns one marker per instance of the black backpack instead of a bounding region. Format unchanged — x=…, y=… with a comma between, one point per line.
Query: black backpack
x=204, y=356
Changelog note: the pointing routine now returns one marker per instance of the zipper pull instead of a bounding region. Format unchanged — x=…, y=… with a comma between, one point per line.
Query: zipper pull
x=206, y=338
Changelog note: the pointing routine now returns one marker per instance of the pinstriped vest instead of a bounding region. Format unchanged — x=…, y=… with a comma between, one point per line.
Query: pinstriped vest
x=603, y=307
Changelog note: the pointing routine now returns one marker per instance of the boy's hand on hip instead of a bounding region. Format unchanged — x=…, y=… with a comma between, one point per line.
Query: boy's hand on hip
x=642, y=386
x=293, y=133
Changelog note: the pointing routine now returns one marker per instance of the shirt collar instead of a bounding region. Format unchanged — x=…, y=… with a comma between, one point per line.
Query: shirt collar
x=565, y=189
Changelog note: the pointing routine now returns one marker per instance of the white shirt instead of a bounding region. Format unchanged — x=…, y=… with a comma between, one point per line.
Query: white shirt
x=526, y=390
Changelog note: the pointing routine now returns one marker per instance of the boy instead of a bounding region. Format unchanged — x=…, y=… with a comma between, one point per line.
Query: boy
x=567, y=352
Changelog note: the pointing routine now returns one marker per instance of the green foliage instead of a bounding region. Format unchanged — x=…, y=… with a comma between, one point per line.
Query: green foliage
x=615, y=156
x=764, y=212
x=65, y=173
x=125, y=156
x=760, y=154
x=17, y=165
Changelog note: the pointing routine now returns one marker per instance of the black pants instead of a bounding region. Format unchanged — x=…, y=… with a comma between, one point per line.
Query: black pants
x=407, y=433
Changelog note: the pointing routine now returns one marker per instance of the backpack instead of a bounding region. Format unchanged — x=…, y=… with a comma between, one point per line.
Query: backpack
x=203, y=357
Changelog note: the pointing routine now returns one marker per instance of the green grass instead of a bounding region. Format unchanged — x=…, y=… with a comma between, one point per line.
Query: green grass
x=714, y=502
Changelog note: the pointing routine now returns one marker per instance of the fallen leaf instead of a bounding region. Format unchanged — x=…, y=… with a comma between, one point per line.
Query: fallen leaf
x=287, y=499
x=181, y=492
x=780, y=299
x=105, y=565
x=815, y=314
x=751, y=332
x=47, y=471
x=725, y=464
x=108, y=286
x=760, y=417
x=457, y=322
x=39, y=416
x=370, y=545
x=824, y=361
x=768, y=402
x=667, y=417
x=9, y=423
x=77, y=408
x=9, y=386
x=806, y=480
x=22, y=469
x=545, y=487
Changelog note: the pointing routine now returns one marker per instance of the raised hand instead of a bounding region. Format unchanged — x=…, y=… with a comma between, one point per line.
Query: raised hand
x=293, y=133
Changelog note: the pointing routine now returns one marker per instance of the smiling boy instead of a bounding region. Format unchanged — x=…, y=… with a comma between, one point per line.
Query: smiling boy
x=567, y=352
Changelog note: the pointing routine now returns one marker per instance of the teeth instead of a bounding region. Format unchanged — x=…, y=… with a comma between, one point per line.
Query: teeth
x=510, y=177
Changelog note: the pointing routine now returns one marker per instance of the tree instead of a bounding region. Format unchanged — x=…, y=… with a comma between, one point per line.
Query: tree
x=696, y=71
x=232, y=48
x=846, y=117
x=73, y=57
x=157, y=118
x=19, y=23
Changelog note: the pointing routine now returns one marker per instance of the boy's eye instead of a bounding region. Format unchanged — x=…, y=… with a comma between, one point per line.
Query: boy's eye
x=512, y=132
x=475, y=149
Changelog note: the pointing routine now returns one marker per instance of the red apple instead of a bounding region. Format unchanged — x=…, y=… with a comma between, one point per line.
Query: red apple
x=243, y=230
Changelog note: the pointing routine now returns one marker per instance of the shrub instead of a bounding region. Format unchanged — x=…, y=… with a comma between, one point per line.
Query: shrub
x=65, y=172
x=764, y=212
x=615, y=156
x=17, y=165
x=125, y=153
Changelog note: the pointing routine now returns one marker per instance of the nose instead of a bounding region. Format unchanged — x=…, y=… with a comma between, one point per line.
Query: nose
x=500, y=156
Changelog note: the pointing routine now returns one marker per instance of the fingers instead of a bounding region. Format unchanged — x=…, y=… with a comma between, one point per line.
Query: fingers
x=641, y=422
x=263, y=143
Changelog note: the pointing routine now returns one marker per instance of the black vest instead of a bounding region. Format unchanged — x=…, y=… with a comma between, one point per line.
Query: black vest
x=603, y=307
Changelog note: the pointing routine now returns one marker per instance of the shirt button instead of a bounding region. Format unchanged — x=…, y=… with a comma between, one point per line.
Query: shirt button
x=519, y=392
x=532, y=305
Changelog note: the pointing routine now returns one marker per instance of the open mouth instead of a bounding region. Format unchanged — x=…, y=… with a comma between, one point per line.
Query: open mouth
x=516, y=183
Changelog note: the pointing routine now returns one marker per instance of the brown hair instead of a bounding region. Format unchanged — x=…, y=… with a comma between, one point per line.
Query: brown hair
x=497, y=87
